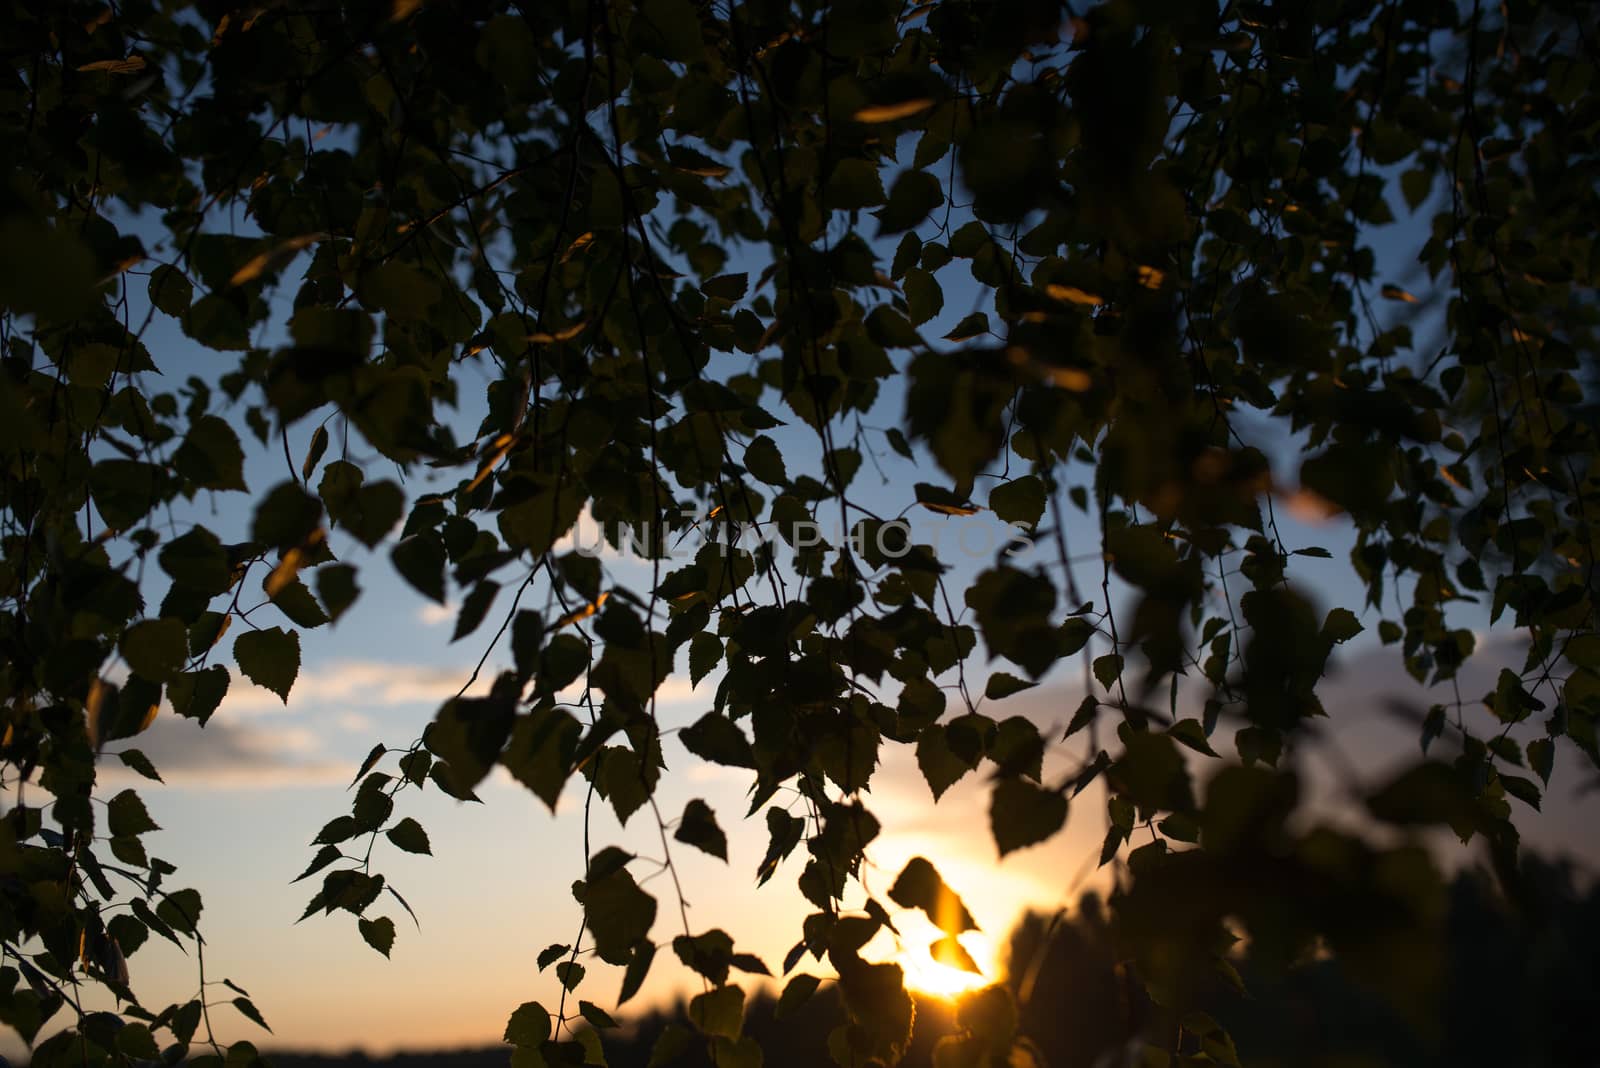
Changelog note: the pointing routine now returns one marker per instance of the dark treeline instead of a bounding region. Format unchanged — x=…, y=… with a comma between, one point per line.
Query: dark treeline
x=1534, y=967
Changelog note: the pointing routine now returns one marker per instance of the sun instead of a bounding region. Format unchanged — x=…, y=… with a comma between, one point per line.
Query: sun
x=926, y=973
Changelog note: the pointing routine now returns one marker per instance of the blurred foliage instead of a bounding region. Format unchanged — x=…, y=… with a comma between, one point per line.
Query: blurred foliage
x=1527, y=965
x=659, y=231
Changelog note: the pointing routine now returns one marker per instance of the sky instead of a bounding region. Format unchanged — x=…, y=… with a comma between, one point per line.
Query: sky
x=245, y=795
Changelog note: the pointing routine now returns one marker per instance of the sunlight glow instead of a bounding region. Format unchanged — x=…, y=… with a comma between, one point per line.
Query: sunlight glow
x=927, y=975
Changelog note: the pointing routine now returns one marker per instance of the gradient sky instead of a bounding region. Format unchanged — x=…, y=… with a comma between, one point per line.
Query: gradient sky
x=245, y=795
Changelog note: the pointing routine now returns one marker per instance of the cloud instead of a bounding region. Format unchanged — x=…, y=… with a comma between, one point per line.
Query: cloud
x=432, y=615
x=373, y=684
x=225, y=755
x=241, y=746
x=363, y=683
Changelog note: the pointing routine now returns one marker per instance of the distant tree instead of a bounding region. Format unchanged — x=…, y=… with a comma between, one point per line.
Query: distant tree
x=590, y=255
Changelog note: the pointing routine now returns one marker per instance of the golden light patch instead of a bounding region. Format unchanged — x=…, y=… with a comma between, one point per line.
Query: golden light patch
x=498, y=450
x=891, y=112
x=1309, y=506
x=566, y=333
x=579, y=243
x=1074, y=295
x=949, y=509
x=579, y=614
x=131, y=65
x=1072, y=379
x=928, y=975
x=258, y=263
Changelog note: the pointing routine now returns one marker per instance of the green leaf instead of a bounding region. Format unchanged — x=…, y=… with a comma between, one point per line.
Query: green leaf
x=170, y=291
x=1022, y=814
x=294, y=600
x=529, y=1025
x=670, y=29
x=638, y=968
x=1193, y=735
x=210, y=455
x=248, y=1010
x=318, y=446
x=286, y=517
x=475, y=606
x=970, y=326
x=1427, y=793
x=716, y=738
x=763, y=460
x=783, y=834
x=420, y=559
x=1152, y=773
x=1002, y=684
x=180, y=910
x=409, y=836
x=198, y=560
x=537, y=522
x=136, y=760
x=1542, y=758
x=399, y=290
x=269, y=658
x=1085, y=715
x=541, y=751
x=1108, y=669
x=1341, y=625
x=796, y=992
x=1415, y=185
x=1522, y=789
x=470, y=732
x=718, y=1012
x=914, y=195
x=570, y=973
x=953, y=954
x=726, y=286
x=890, y=329
x=126, y=815
x=704, y=653
x=597, y=1017
x=378, y=933
x=853, y=184
x=920, y=886
x=50, y=272
x=744, y=1052
x=698, y=828
x=924, y=298
x=156, y=648
x=1021, y=500
x=619, y=914
x=907, y=254
x=940, y=765
x=197, y=694
x=709, y=954
x=336, y=586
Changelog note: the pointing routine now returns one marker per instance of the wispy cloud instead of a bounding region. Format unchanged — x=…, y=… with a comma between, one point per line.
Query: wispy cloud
x=433, y=615
x=225, y=755
x=359, y=683
x=373, y=684
x=243, y=746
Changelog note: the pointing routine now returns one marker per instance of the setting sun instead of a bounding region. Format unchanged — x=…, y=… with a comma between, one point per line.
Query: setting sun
x=937, y=968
